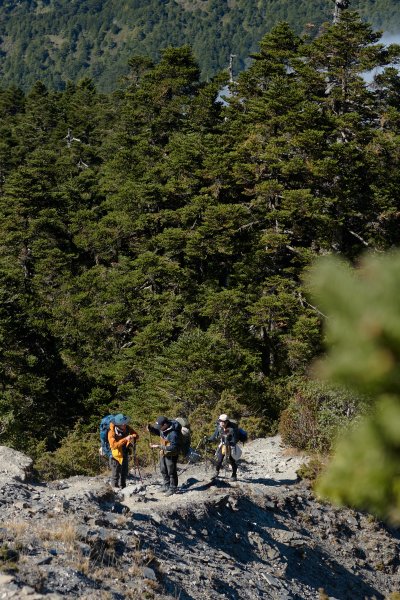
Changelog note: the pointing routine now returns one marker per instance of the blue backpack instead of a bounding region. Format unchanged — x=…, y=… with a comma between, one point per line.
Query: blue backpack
x=242, y=435
x=105, y=449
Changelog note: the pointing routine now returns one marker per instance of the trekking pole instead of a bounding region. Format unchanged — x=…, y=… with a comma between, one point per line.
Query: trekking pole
x=207, y=458
x=227, y=457
x=129, y=451
x=133, y=470
x=136, y=462
x=152, y=454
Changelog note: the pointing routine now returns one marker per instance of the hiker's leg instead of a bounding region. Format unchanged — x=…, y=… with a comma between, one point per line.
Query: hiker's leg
x=233, y=465
x=171, y=463
x=220, y=459
x=124, y=471
x=164, y=470
x=115, y=471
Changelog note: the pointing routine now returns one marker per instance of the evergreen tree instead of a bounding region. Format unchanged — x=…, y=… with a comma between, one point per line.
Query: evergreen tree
x=155, y=239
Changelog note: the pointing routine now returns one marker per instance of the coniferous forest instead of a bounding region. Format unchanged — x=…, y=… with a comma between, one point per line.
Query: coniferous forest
x=154, y=240
x=55, y=41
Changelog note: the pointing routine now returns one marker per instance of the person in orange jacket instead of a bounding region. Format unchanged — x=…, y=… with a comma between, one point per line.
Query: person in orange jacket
x=120, y=436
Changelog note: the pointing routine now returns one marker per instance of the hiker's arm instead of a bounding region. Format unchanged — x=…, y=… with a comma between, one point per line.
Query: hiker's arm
x=173, y=442
x=134, y=434
x=214, y=436
x=114, y=444
x=153, y=430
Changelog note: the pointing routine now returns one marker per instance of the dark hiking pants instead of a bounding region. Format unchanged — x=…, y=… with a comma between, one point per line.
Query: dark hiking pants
x=119, y=472
x=168, y=469
x=220, y=459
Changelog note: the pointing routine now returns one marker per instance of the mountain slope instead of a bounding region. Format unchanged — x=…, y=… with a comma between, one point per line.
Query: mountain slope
x=263, y=537
x=60, y=40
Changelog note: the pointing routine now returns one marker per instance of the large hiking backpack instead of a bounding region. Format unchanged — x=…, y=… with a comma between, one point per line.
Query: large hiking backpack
x=105, y=449
x=185, y=437
x=242, y=435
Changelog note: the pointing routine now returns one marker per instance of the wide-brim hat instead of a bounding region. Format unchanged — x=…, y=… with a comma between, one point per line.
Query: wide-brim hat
x=121, y=419
x=223, y=418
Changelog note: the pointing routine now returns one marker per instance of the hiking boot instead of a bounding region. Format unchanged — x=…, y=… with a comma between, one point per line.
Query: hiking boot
x=215, y=475
x=233, y=478
x=170, y=491
x=164, y=487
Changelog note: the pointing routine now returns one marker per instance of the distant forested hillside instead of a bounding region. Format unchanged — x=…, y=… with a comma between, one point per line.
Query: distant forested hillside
x=60, y=40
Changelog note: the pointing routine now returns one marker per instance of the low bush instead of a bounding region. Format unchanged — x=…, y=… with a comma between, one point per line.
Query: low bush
x=312, y=469
x=77, y=455
x=316, y=414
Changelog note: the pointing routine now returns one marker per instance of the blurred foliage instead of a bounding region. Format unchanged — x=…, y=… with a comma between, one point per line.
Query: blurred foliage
x=363, y=336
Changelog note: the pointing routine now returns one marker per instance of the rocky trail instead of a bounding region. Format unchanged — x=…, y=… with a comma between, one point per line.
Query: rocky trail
x=264, y=536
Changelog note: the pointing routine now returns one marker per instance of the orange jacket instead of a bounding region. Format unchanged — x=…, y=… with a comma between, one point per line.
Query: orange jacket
x=119, y=444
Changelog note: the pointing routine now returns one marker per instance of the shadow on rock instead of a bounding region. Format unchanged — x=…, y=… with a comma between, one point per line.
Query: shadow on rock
x=175, y=590
x=245, y=533
x=271, y=482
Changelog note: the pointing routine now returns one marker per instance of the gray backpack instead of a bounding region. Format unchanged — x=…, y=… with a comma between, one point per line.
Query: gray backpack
x=185, y=438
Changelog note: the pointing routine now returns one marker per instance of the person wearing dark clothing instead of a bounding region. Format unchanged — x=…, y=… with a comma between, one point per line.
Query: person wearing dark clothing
x=226, y=432
x=120, y=436
x=169, y=432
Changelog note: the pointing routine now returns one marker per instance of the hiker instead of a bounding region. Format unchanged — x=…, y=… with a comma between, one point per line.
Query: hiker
x=120, y=436
x=169, y=432
x=226, y=432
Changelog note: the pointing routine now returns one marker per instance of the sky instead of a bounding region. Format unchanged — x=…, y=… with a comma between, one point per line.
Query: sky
x=387, y=39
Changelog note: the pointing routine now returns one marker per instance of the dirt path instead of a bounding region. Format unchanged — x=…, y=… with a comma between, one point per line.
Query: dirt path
x=265, y=462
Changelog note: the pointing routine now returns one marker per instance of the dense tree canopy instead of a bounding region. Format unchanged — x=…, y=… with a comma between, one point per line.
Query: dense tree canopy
x=154, y=240
x=58, y=40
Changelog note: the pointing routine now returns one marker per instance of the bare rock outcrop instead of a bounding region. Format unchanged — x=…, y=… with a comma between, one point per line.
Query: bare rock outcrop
x=265, y=536
x=14, y=464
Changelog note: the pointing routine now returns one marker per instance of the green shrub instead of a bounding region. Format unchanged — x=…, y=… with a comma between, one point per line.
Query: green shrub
x=229, y=404
x=77, y=455
x=316, y=414
x=312, y=469
x=363, y=331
